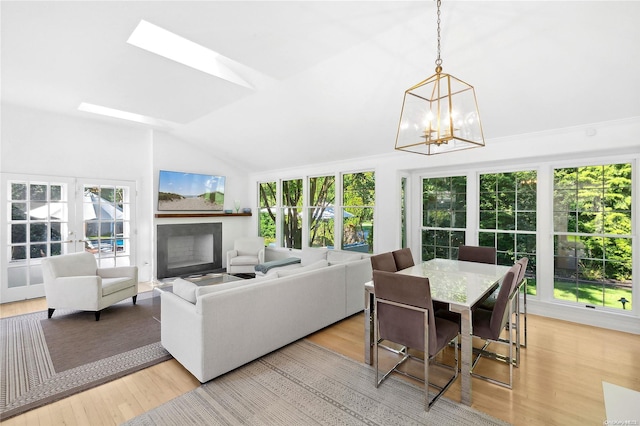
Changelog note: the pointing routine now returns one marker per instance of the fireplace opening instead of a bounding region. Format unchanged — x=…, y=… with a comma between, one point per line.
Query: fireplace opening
x=189, y=249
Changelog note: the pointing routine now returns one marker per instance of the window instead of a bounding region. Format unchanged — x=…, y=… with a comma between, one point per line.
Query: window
x=321, y=211
x=507, y=206
x=321, y=216
x=592, y=235
x=106, y=213
x=444, y=216
x=38, y=224
x=358, y=200
x=291, y=211
x=267, y=209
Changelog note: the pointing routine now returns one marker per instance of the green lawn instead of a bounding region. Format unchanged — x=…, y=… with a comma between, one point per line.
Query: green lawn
x=593, y=293
x=587, y=293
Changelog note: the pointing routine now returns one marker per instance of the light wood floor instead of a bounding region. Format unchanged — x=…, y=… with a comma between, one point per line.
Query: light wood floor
x=559, y=381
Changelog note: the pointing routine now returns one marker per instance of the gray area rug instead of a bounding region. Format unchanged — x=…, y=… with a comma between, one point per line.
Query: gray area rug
x=44, y=360
x=305, y=384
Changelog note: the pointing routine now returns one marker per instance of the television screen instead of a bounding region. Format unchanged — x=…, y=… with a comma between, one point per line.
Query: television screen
x=190, y=191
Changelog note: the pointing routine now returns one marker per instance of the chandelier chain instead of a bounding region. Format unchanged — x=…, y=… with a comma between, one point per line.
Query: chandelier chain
x=438, y=61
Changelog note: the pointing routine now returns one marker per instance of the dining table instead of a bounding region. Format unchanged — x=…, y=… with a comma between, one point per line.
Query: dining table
x=461, y=285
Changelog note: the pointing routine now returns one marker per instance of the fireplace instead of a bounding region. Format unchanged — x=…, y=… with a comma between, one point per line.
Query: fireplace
x=188, y=249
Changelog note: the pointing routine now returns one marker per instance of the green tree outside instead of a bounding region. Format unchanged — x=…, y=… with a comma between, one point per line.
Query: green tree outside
x=592, y=242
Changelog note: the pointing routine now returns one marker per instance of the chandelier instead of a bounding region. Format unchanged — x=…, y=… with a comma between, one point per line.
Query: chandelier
x=439, y=114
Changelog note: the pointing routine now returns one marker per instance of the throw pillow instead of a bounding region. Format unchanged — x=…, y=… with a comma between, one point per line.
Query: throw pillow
x=185, y=289
x=312, y=255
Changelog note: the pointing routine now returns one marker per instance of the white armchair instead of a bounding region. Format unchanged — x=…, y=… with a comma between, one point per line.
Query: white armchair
x=74, y=281
x=246, y=254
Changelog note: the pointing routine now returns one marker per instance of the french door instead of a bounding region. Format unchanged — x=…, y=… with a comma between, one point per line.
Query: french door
x=45, y=216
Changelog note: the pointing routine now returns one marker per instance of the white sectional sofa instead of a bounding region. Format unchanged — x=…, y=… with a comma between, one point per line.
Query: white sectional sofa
x=214, y=329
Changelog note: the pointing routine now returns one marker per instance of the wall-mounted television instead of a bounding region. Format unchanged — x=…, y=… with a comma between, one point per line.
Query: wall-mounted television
x=190, y=191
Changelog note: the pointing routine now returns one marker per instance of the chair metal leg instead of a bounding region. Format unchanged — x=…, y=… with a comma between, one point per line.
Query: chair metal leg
x=524, y=299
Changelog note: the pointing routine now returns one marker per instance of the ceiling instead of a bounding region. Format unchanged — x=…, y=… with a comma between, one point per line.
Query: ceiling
x=328, y=77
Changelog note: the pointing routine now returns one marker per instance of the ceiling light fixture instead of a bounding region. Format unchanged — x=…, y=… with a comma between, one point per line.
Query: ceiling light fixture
x=439, y=114
x=157, y=40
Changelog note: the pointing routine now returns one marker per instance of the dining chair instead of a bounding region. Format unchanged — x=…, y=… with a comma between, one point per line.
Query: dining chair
x=404, y=315
x=386, y=262
x=403, y=258
x=477, y=254
x=383, y=262
x=488, y=325
x=490, y=302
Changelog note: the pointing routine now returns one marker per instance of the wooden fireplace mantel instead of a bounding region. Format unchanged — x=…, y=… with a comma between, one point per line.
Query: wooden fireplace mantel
x=180, y=215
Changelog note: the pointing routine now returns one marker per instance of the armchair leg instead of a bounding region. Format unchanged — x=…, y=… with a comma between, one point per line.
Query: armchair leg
x=50, y=312
x=134, y=299
x=97, y=315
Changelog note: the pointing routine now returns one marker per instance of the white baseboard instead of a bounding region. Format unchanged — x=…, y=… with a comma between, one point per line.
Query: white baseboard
x=584, y=315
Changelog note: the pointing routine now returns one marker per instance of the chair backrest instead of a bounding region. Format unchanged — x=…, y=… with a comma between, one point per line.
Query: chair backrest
x=383, y=262
x=403, y=258
x=499, y=316
x=248, y=246
x=523, y=268
x=69, y=265
x=402, y=325
x=477, y=254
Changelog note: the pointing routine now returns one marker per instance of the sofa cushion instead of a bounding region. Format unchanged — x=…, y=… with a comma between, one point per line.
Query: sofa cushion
x=322, y=263
x=185, y=289
x=113, y=285
x=244, y=260
x=207, y=289
x=312, y=255
x=76, y=264
x=335, y=257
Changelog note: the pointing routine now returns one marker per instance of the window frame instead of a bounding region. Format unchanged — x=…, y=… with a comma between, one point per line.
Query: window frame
x=452, y=252
x=635, y=292
x=531, y=273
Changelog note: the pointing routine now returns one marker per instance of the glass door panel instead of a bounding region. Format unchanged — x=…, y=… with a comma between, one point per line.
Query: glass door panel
x=36, y=217
x=106, y=223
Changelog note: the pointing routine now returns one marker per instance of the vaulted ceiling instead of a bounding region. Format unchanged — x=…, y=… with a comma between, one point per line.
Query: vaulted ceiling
x=328, y=77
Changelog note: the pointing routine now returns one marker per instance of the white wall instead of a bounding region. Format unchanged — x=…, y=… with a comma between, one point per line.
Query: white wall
x=37, y=142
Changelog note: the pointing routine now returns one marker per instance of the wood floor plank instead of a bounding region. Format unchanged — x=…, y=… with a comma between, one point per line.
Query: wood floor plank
x=559, y=381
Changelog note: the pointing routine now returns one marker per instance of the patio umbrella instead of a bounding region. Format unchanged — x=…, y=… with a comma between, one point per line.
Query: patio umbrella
x=48, y=210
x=328, y=212
x=324, y=214
x=95, y=207
x=100, y=217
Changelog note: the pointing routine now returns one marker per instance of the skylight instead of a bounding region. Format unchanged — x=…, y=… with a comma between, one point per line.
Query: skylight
x=157, y=40
x=124, y=115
